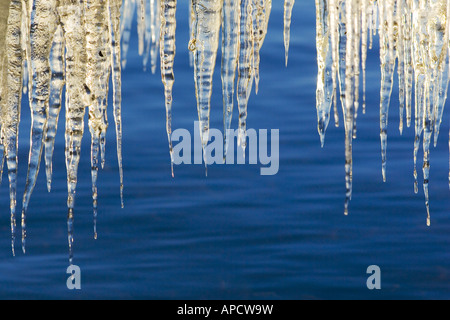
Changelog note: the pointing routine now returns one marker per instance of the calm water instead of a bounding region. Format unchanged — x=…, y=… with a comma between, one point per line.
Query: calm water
x=236, y=234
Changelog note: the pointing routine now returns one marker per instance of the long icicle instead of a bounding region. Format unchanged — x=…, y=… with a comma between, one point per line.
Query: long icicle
x=115, y=6
x=72, y=19
x=11, y=101
x=356, y=16
x=437, y=70
x=414, y=32
x=348, y=106
x=97, y=79
x=206, y=32
x=41, y=38
x=231, y=15
x=324, y=93
x=419, y=42
x=401, y=62
x=288, y=6
x=245, y=69
x=387, y=58
x=408, y=59
x=167, y=57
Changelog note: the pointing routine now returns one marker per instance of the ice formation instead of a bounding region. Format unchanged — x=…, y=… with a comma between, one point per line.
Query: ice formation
x=244, y=27
x=46, y=47
x=50, y=49
x=414, y=35
x=76, y=48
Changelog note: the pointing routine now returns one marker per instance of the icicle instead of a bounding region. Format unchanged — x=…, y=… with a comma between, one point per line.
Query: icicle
x=387, y=58
x=230, y=54
x=114, y=23
x=167, y=56
x=245, y=71
x=11, y=98
x=37, y=37
x=408, y=59
x=288, y=6
x=341, y=53
x=43, y=29
x=72, y=20
x=98, y=34
x=261, y=15
x=356, y=16
x=56, y=89
x=348, y=105
x=419, y=49
x=324, y=93
x=206, y=30
x=399, y=23
x=437, y=27
x=414, y=32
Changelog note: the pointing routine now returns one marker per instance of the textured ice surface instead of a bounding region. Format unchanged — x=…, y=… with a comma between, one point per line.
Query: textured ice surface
x=77, y=48
x=414, y=39
x=50, y=49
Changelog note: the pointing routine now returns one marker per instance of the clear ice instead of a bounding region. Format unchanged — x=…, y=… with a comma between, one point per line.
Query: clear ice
x=205, y=43
x=50, y=49
x=414, y=40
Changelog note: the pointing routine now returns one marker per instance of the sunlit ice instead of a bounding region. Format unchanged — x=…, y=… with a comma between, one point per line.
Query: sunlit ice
x=52, y=49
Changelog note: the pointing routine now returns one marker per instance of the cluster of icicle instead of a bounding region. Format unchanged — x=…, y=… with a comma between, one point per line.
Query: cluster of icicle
x=46, y=46
x=244, y=26
x=80, y=46
x=414, y=35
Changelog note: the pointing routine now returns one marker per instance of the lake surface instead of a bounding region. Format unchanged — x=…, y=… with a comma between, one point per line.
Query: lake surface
x=236, y=234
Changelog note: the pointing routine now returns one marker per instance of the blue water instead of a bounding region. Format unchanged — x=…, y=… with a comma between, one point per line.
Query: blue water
x=236, y=234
